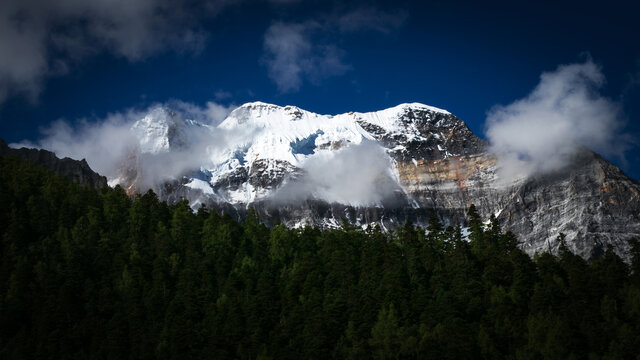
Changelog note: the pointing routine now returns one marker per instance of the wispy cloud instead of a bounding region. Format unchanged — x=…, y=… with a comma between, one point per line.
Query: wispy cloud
x=565, y=111
x=103, y=142
x=295, y=52
x=221, y=95
x=369, y=18
x=291, y=56
x=41, y=38
x=212, y=113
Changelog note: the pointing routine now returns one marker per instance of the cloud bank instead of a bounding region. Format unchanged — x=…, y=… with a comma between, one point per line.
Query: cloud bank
x=41, y=38
x=563, y=113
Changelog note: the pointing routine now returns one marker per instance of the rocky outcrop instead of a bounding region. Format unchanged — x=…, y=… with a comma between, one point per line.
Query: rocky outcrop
x=77, y=171
x=592, y=202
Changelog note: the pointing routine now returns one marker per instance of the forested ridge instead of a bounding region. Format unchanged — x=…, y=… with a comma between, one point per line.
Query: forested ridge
x=93, y=274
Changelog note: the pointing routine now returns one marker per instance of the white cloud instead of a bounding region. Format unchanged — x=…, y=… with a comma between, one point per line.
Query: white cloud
x=565, y=111
x=211, y=114
x=286, y=46
x=291, y=56
x=295, y=52
x=358, y=174
x=221, y=95
x=41, y=38
x=369, y=18
x=106, y=143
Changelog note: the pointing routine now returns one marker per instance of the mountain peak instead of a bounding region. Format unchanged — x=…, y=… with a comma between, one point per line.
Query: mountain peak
x=161, y=129
x=423, y=160
x=420, y=106
x=163, y=114
x=257, y=104
x=402, y=106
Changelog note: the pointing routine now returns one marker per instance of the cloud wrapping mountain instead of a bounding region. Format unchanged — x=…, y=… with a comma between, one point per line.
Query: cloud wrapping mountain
x=564, y=112
x=357, y=174
x=107, y=143
x=387, y=167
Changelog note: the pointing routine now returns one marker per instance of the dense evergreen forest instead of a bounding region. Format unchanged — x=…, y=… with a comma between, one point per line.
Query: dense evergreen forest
x=93, y=274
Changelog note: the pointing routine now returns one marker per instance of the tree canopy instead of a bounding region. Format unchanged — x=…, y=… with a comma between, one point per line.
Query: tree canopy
x=88, y=273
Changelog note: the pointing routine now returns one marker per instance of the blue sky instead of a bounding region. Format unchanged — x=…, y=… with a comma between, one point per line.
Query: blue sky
x=75, y=60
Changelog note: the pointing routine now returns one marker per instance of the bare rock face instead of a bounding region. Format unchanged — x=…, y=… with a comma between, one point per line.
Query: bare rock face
x=77, y=171
x=593, y=203
x=426, y=135
x=268, y=174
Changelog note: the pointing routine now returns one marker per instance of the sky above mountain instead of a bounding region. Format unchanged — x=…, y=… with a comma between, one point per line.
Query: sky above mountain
x=545, y=71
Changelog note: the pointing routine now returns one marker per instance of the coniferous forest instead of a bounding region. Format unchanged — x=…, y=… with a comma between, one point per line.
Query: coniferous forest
x=93, y=274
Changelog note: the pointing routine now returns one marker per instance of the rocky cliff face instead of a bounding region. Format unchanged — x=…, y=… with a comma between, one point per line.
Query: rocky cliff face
x=77, y=171
x=592, y=202
x=433, y=164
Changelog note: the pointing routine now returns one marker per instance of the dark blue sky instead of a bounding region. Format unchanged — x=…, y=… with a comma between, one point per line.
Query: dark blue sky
x=338, y=57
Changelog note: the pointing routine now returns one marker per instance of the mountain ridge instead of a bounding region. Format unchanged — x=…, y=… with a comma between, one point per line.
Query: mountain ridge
x=78, y=171
x=405, y=163
x=432, y=163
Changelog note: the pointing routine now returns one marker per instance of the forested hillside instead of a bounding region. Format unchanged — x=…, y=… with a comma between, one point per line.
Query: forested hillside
x=93, y=274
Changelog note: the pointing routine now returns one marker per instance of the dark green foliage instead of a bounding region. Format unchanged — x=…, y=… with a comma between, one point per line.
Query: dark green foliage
x=88, y=273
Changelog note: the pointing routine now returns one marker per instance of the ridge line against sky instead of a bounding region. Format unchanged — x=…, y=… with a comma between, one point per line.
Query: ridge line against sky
x=78, y=60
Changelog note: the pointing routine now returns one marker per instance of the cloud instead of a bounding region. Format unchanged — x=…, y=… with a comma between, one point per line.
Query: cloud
x=222, y=95
x=358, y=174
x=369, y=18
x=41, y=38
x=291, y=56
x=111, y=144
x=211, y=113
x=565, y=112
x=104, y=142
x=127, y=148
x=295, y=52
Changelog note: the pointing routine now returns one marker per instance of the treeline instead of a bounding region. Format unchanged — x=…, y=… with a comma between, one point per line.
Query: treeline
x=92, y=274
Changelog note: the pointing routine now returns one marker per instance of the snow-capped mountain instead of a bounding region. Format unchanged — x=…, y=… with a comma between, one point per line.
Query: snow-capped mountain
x=161, y=130
x=402, y=163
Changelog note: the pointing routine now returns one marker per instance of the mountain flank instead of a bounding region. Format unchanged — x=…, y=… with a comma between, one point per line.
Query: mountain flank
x=78, y=171
x=386, y=167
